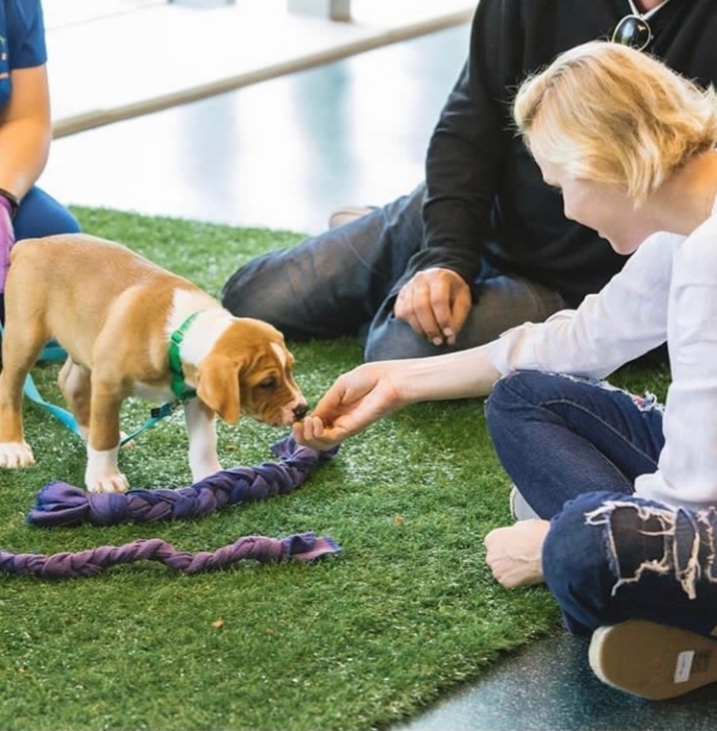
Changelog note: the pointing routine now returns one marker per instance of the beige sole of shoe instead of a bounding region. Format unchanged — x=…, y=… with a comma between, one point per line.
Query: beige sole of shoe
x=652, y=660
x=345, y=215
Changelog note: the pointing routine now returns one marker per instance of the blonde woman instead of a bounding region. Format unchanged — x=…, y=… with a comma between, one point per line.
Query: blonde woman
x=624, y=489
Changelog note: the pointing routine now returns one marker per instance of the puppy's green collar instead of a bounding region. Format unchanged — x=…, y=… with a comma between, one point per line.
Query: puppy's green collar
x=179, y=387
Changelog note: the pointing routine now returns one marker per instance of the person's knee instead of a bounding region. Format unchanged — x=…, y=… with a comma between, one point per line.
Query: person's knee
x=285, y=289
x=63, y=221
x=262, y=289
x=394, y=339
x=41, y=215
x=239, y=293
x=269, y=303
x=502, y=395
x=512, y=394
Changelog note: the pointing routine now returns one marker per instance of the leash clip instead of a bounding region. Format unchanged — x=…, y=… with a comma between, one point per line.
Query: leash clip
x=159, y=412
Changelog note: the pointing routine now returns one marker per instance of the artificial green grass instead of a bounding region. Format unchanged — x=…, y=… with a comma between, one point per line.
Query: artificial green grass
x=404, y=614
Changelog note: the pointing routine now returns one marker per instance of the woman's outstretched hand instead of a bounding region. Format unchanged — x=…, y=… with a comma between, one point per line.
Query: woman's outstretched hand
x=355, y=400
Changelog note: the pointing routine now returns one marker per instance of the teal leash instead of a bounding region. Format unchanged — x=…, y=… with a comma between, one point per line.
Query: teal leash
x=53, y=351
x=179, y=387
x=31, y=392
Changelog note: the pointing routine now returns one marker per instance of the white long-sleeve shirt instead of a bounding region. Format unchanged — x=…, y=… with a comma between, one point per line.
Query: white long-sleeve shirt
x=666, y=291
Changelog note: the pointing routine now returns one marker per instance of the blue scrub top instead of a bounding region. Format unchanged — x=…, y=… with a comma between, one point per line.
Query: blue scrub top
x=22, y=40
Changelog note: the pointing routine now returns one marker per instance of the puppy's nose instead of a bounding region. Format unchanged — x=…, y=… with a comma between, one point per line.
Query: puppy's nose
x=300, y=412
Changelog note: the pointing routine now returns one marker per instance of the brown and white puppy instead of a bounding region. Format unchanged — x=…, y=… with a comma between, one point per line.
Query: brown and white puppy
x=115, y=312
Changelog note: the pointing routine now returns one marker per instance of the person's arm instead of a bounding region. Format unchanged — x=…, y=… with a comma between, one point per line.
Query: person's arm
x=374, y=390
x=687, y=468
x=477, y=168
x=469, y=144
x=25, y=130
x=462, y=169
x=25, y=135
x=625, y=320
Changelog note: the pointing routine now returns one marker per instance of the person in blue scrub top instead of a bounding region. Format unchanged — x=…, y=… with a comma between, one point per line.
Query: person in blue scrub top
x=26, y=211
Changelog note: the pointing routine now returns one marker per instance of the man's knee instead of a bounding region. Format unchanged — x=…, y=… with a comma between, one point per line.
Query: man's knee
x=260, y=289
x=394, y=339
x=242, y=291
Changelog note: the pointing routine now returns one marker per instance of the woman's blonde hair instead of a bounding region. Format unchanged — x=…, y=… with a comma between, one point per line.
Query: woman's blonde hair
x=608, y=113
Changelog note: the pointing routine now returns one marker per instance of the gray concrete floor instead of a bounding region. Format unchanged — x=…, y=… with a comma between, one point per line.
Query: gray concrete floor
x=283, y=154
x=549, y=686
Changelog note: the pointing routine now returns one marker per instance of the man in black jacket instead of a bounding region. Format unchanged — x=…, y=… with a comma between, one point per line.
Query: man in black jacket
x=483, y=244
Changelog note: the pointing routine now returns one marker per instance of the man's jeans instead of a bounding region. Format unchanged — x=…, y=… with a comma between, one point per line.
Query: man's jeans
x=573, y=448
x=345, y=282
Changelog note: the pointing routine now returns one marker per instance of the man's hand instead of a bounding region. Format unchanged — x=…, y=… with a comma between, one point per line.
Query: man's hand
x=435, y=303
x=514, y=554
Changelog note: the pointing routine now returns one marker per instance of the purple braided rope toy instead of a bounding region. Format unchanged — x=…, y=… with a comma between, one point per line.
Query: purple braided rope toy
x=304, y=547
x=61, y=504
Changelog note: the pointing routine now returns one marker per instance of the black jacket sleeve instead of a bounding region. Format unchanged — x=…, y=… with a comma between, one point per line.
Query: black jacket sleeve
x=485, y=196
x=466, y=149
x=468, y=146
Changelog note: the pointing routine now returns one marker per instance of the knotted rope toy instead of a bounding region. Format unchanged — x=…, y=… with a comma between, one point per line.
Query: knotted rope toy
x=304, y=547
x=61, y=504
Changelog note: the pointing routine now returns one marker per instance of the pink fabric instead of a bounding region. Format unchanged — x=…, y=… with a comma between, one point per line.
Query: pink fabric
x=7, y=239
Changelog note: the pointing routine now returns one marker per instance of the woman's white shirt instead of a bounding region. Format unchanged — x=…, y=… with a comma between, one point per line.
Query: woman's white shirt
x=666, y=291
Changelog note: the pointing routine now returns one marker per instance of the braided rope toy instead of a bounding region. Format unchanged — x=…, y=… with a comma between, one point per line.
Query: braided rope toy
x=61, y=504
x=304, y=547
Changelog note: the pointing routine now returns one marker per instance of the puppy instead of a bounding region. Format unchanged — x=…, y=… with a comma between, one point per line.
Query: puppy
x=117, y=314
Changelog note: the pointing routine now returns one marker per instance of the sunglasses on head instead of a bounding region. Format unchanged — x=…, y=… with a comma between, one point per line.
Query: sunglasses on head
x=633, y=31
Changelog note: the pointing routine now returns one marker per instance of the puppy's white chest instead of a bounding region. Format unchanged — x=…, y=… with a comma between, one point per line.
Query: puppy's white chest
x=156, y=394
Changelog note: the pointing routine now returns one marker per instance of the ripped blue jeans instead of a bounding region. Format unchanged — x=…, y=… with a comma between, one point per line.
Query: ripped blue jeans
x=573, y=448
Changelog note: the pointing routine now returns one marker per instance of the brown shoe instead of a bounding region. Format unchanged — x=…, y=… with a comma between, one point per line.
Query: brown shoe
x=652, y=660
x=345, y=215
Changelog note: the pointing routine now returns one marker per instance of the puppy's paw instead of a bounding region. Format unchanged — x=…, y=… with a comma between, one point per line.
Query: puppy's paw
x=14, y=455
x=204, y=469
x=102, y=472
x=107, y=483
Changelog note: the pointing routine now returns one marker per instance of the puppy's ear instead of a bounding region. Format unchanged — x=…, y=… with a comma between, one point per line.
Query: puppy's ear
x=218, y=386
